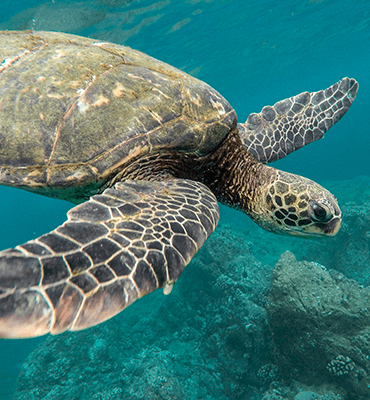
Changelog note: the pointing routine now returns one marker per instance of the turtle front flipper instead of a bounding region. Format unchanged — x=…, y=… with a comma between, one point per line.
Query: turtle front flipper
x=112, y=250
x=292, y=123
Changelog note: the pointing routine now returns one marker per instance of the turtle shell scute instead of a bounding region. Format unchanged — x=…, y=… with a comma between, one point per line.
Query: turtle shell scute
x=76, y=111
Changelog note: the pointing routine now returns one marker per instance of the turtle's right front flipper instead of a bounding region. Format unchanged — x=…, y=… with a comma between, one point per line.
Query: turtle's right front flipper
x=115, y=248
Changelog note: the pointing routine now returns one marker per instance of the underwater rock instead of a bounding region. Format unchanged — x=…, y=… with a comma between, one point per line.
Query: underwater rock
x=349, y=251
x=320, y=326
x=207, y=339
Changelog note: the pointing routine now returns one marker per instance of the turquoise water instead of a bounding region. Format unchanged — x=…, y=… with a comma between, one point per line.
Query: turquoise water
x=253, y=52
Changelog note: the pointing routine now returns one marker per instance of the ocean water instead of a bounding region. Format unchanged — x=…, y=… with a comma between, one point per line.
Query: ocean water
x=254, y=53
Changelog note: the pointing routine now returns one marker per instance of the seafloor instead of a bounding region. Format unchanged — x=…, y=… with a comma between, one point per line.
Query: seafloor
x=233, y=327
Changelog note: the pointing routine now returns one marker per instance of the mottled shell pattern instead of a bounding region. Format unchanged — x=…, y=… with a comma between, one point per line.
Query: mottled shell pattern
x=74, y=111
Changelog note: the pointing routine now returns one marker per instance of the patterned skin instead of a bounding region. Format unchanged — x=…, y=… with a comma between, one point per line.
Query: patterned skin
x=115, y=248
x=148, y=151
x=292, y=123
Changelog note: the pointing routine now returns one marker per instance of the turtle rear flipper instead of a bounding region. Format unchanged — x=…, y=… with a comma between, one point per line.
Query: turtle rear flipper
x=113, y=249
x=292, y=123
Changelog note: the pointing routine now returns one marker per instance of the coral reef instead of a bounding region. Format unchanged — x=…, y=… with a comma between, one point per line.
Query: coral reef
x=319, y=324
x=206, y=340
x=212, y=337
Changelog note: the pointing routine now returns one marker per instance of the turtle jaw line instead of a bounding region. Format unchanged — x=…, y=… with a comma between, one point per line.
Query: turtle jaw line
x=323, y=230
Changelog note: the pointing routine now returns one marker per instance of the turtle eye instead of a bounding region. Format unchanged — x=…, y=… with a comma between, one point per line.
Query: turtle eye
x=320, y=212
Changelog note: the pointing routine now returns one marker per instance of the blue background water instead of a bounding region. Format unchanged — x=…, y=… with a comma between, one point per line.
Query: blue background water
x=253, y=52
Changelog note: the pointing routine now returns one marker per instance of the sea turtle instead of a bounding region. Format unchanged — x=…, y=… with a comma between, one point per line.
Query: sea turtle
x=148, y=150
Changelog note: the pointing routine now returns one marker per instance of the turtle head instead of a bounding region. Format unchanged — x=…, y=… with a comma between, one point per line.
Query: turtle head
x=292, y=205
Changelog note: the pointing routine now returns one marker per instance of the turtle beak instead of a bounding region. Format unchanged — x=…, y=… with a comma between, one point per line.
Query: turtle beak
x=332, y=227
x=321, y=229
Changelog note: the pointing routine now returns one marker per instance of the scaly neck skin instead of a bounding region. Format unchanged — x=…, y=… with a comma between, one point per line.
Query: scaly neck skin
x=234, y=176
x=277, y=201
x=230, y=172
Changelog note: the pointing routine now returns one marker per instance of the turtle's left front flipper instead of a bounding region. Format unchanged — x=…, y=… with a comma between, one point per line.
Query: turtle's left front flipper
x=113, y=249
x=292, y=123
